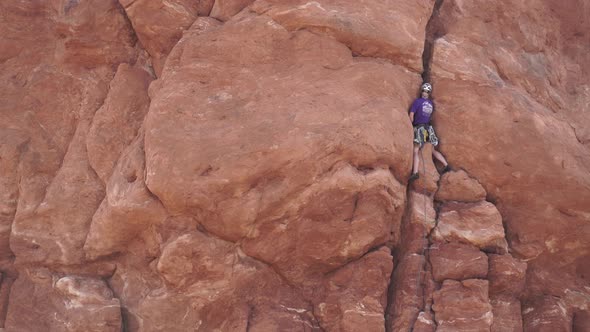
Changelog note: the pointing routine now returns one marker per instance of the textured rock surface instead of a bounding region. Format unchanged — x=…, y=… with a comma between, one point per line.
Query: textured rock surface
x=546, y=313
x=463, y=306
x=353, y=25
x=507, y=275
x=478, y=224
x=457, y=261
x=427, y=182
x=356, y=295
x=458, y=186
x=159, y=24
x=510, y=86
x=62, y=304
x=424, y=323
x=507, y=315
x=260, y=182
x=407, y=293
x=224, y=10
x=117, y=121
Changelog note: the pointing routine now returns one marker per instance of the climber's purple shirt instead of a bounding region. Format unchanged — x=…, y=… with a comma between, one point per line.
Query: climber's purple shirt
x=422, y=108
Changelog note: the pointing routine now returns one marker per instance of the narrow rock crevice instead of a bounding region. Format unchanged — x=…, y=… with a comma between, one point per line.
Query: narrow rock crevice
x=250, y=317
x=396, y=254
x=21, y=148
x=123, y=11
x=5, y=288
x=123, y=309
x=434, y=30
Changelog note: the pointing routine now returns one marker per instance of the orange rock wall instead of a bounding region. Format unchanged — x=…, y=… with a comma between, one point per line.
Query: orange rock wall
x=240, y=165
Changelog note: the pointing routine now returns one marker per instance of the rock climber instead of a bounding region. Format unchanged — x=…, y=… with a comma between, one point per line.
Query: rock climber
x=420, y=113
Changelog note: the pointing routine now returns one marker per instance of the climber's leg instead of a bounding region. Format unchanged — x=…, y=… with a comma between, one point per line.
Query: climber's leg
x=439, y=156
x=435, y=153
x=418, y=143
x=416, y=159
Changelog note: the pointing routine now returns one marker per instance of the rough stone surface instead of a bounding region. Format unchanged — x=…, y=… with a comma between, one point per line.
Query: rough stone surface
x=304, y=194
x=67, y=303
x=354, y=26
x=128, y=211
x=479, y=224
x=507, y=275
x=260, y=183
x=159, y=24
x=508, y=85
x=582, y=321
x=546, y=313
x=459, y=186
x=407, y=294
x=424, y=323
x=356, y=295
x=224, y=10
x=458, y=262
x=117, y=122
x=205, y=282
x=427, y=182
x=507, y=315
x=419, y=220
x=463, y=306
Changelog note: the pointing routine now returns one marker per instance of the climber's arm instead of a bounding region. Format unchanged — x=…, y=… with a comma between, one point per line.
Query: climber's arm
x=412, y=111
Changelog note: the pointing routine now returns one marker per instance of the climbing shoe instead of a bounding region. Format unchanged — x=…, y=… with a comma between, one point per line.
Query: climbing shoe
x=413, y=177
x=446, y=169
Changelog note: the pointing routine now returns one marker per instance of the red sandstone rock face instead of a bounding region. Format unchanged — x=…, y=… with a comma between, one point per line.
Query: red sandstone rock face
x=62, y=304
x=458, y=262
x=507, y=315
x=259, y=184
x=510, y=112
x=458, y=186
x=356, y=295
x=463, y=306
x=127, y=103
x=159, y=24
x=478, y=224
x=224, y=10
x=507, y=275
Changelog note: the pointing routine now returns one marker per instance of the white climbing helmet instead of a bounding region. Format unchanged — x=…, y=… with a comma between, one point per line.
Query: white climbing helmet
x=427, y=87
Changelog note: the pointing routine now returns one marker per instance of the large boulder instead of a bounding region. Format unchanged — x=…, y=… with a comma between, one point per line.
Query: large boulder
x=458, y=262
x=507, y=275
x=463, y=306
x=459, y=186
x=478, y=224
x=292, y=177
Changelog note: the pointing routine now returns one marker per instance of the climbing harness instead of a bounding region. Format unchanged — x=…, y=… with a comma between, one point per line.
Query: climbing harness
x=424, y=133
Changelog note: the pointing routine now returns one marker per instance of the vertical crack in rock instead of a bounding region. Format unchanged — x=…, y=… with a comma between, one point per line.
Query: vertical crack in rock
x=90, y=165
x=21, y=148
x=137, y=42
x=145, y=175
x=434, y=30
x=395, y=256
x=5, y=287
x=128, y=21
x=250, y=317
x=427, y=307
x=124, y=318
